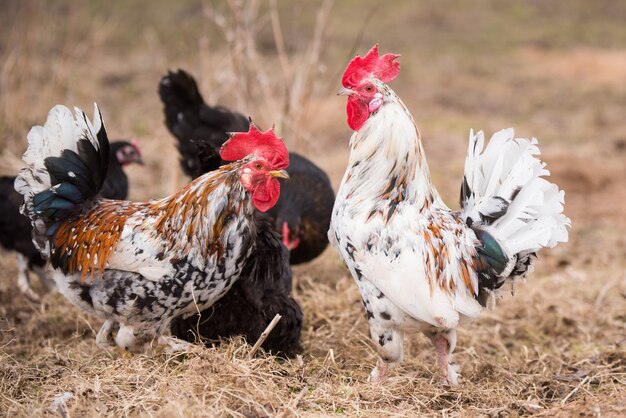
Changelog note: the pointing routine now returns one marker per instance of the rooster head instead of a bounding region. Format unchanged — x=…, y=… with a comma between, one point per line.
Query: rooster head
x=362, y=81
x=266, y=159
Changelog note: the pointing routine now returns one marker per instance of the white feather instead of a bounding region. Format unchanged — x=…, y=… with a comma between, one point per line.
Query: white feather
x=534, y=218
x=391, y=256
x=61, y=131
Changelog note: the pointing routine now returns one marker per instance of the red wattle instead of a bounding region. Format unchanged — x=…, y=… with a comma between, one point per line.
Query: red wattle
x=266, y=195
x=289, y=244
x=357, y=113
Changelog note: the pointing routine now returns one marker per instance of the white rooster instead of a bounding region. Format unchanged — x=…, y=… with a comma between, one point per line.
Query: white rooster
x=418, y=264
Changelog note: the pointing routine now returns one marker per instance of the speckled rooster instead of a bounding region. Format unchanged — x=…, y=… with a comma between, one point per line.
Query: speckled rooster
x=418, y=264
x=139, y=265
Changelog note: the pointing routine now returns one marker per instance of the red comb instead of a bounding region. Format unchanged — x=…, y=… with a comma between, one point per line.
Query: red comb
x=262, y=144
x=371, y=65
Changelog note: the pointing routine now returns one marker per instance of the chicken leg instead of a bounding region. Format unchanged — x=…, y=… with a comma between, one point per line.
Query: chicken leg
x=445, y=342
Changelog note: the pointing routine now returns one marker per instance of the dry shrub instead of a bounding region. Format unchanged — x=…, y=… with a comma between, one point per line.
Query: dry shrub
x=278, y=86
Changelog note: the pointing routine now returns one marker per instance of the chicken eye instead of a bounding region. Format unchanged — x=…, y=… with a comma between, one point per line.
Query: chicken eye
x=369, y=88
x=258, y=166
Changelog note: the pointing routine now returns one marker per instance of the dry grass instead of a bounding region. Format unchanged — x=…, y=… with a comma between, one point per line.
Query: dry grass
x=555, y=349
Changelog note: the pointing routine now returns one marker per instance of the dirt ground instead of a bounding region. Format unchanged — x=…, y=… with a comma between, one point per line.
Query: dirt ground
x=554, y=70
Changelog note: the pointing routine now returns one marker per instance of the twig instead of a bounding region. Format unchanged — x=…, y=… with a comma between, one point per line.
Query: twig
x=7, y=67
x=279, y=40
x=265, y=334
x=582, y=382
x=303, y=83
x=281, y=97
x=296, y=401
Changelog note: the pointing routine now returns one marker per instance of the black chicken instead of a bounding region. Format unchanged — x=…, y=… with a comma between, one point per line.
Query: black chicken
x=192, y=122
x=302, y=214
x=122, y=153
x=15, y=234
x=15, y=228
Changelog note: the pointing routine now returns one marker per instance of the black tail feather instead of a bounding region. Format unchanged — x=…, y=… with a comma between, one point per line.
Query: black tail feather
x=192, y=121
x=76, y=179
x=179, y=94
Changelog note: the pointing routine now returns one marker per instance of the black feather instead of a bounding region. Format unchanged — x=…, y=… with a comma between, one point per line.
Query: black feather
x=53, y=229
x=515, y=193
x=104, y=149
x=42, y=200
x=466, y=192
x=92, y=159
x=84, y=170
x=69, y=191
x=59, y=169
x=15, y=228
x=190, y=119
x=55, y=204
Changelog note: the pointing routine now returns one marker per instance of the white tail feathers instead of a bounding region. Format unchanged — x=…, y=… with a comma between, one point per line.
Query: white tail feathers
x=61, y=131
x=505, y=191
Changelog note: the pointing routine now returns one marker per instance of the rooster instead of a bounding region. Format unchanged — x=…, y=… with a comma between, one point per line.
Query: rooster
x=262, y=291
x=139, y=265
x=15, y=228
x=302, y=214
x=419, y=265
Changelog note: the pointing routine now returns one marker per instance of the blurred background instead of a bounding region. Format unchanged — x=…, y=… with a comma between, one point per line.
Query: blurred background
x=555, y=70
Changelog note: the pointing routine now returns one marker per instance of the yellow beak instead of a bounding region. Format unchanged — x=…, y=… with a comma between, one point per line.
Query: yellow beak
x=279, y=173
x=344, y=92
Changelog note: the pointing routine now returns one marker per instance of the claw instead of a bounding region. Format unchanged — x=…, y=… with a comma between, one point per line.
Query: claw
x=173, y=345
x=380, y=372
x=23, y=280
x=104, y=338
x=30, y=294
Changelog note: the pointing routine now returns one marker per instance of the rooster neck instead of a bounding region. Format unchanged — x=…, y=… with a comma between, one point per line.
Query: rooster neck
x=200, y=217
x=387, y=165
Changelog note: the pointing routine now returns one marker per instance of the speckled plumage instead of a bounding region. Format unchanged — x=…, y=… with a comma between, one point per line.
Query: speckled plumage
x=137, y=265
x=419, y=265
x=262, y=291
